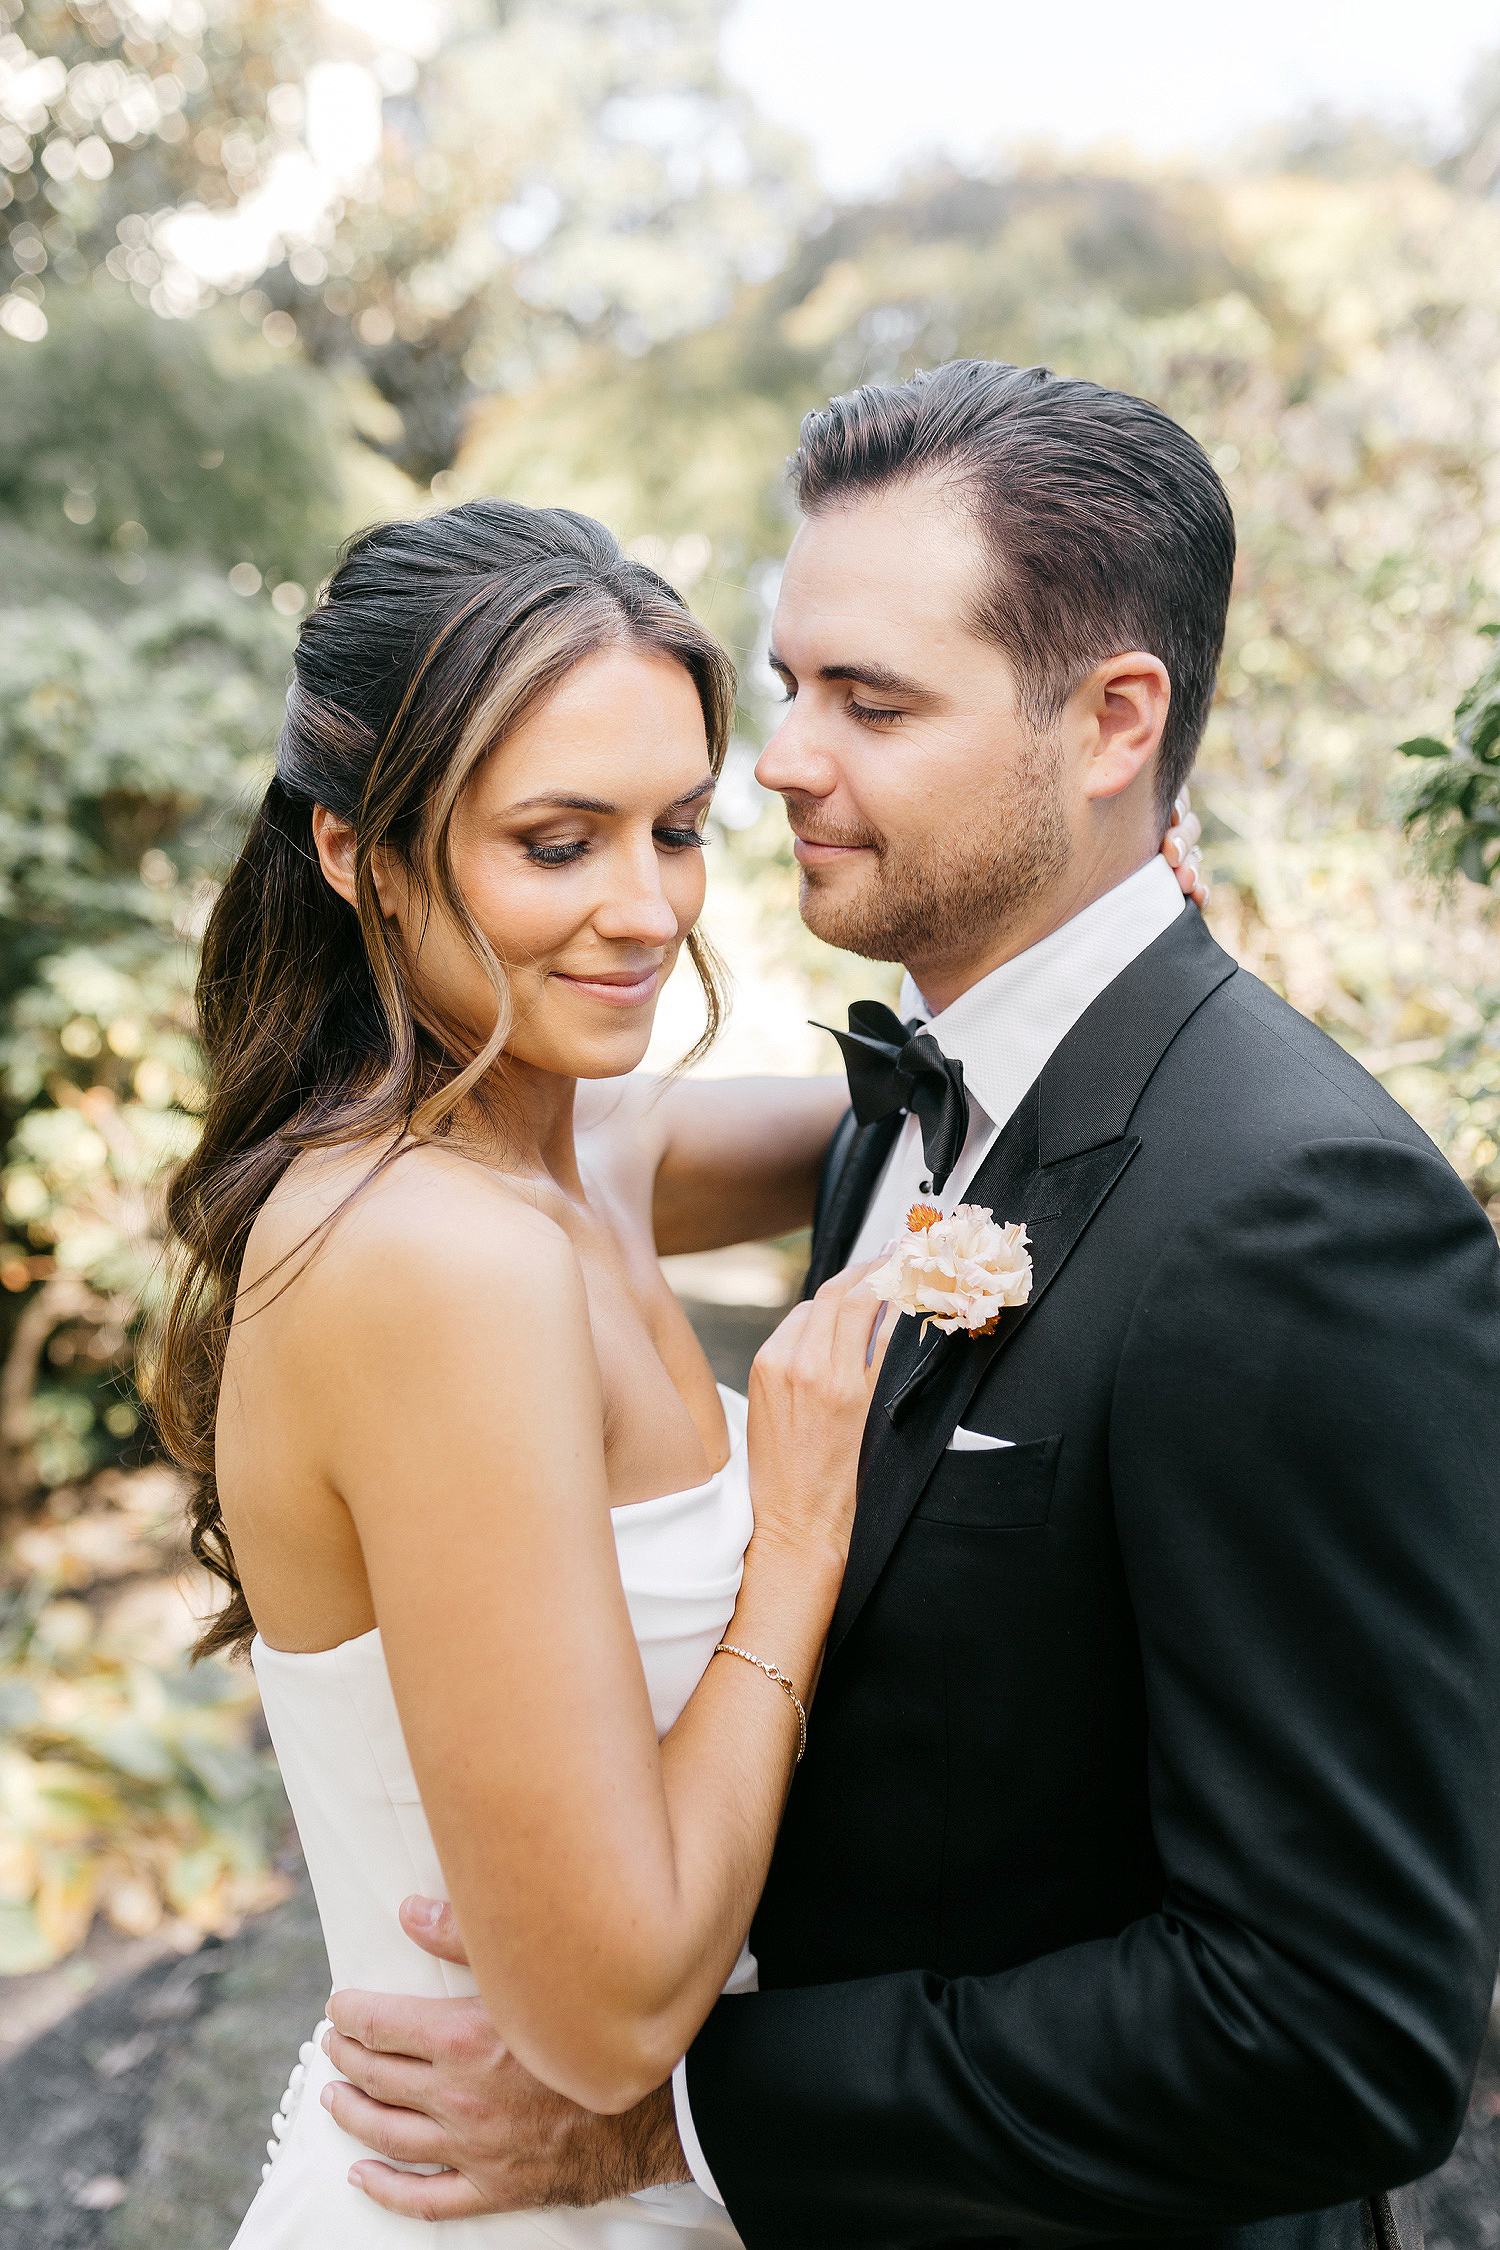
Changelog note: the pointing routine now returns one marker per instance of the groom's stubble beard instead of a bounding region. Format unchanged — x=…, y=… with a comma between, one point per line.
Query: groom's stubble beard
x=939, y=898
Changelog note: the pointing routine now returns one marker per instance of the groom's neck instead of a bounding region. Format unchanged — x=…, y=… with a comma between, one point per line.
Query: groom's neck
x=942, y=981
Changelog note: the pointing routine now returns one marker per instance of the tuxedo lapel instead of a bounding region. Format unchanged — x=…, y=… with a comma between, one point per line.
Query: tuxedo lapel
x=853, y=1169
x=1051, y=1169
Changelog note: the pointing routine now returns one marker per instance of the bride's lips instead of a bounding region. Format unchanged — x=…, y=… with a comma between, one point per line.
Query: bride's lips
x=617, y=988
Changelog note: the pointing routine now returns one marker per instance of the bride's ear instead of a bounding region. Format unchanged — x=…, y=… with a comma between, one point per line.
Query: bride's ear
x=335, y=842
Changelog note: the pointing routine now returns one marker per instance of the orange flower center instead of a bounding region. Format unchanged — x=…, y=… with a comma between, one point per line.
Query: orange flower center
x=920, y=1217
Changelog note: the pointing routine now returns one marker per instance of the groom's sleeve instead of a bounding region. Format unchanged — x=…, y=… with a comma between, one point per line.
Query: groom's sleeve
x=1304, y=1454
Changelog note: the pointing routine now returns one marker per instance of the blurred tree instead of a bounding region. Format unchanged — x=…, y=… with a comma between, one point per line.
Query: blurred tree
x=111, y=112
x=451, y=198
x=127, y=435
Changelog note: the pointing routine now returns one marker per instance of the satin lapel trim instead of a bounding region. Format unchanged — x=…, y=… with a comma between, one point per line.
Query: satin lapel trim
x=924, y=1388
x=847, y=1205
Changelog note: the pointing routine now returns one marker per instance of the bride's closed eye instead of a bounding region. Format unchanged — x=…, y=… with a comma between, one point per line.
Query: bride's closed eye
x=566, y=855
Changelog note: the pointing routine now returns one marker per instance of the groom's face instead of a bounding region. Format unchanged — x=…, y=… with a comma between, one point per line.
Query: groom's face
x=928, y=811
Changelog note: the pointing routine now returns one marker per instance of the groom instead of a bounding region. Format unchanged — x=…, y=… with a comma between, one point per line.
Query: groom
x=1142, y=1879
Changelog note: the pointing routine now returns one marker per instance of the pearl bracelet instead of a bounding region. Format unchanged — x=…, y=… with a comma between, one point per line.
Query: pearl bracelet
x=772, y=1672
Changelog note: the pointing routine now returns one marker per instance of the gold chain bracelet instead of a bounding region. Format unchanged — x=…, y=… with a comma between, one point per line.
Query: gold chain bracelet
x=772, y=1672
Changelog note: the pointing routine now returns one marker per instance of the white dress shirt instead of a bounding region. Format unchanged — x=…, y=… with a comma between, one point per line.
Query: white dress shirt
x=1003, y=1030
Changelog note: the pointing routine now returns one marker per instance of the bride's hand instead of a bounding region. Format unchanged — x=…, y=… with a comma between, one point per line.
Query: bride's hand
x=810, y=1391
x=1179, y=848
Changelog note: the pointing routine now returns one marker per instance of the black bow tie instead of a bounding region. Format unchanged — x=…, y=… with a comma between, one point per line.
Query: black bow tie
x=894, y=1065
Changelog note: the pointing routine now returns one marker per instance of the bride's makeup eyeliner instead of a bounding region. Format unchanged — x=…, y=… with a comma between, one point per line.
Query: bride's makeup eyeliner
x=568, y=855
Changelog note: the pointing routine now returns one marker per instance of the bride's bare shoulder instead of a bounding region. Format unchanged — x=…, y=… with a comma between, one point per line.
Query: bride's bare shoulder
x=357, y=1234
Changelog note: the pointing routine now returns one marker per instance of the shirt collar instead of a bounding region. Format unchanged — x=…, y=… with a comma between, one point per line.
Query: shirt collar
x=1004, y=1029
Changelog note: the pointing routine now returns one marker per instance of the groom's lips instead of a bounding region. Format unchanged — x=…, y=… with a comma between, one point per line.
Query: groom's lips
x=809, y=853
x=623, y=988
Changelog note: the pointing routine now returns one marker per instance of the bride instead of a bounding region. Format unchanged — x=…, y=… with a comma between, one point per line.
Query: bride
x=483, y=1518
x=459, y=1460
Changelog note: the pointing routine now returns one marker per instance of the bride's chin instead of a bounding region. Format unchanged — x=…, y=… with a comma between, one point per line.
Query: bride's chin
x=602, y=1057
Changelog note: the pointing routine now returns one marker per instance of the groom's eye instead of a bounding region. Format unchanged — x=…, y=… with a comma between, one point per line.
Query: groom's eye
x=873, y=714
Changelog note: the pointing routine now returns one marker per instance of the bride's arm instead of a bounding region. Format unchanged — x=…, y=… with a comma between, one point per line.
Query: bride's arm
x=722, y=1159
x=740, y=1157
x=604, y=1886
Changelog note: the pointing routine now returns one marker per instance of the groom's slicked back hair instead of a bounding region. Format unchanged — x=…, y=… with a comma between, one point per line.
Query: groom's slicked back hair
x=1106, y=525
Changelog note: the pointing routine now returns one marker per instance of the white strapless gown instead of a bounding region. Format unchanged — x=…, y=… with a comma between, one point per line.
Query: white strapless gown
x=333, y=1720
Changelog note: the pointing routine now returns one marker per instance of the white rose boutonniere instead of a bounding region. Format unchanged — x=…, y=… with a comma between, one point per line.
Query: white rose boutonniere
x=956, y=1274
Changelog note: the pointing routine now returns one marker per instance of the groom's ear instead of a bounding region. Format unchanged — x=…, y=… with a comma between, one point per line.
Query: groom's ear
x=1121, y=709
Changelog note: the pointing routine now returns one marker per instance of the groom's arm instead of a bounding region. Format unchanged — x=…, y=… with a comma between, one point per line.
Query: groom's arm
x=1305, y=1438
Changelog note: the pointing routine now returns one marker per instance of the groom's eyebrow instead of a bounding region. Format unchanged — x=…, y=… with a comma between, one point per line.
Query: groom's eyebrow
x=880, y=677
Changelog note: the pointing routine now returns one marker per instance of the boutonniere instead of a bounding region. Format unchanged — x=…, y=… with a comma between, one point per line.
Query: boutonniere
x=956, y=1274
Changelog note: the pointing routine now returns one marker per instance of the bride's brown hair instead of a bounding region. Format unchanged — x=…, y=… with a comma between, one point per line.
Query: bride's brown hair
x=432, y=641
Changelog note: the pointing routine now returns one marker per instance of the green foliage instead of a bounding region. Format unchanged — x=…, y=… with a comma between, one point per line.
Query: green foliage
x=1454, y=810
x=127, y=754
x=123, y=434
x=125, y=1785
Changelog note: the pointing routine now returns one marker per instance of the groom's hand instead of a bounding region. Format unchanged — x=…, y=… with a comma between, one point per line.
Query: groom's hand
x=431, y=2083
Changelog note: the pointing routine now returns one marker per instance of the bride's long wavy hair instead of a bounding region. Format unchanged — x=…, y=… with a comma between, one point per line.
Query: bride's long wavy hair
x=432, y=641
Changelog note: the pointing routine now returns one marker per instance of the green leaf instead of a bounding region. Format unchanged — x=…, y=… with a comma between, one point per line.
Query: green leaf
x=1471, y=860
x=1424, y=746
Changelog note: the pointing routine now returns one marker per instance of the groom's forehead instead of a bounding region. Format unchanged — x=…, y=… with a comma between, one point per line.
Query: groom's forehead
x=901, y=563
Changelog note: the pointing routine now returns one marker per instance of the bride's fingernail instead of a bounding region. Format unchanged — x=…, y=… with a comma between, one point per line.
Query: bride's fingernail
x=326, y=2097
x=425, y=1912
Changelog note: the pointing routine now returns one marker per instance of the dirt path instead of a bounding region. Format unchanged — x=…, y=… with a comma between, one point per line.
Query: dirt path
x=140, y=2121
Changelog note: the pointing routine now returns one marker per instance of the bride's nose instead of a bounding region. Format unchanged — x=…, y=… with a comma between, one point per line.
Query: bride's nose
x=635, y=908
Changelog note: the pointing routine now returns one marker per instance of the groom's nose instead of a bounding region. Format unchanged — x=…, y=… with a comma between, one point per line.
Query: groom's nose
x=794, y=764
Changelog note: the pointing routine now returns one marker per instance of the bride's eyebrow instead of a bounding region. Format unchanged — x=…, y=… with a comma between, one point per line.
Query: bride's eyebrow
x=565, y=802
x=559, y=802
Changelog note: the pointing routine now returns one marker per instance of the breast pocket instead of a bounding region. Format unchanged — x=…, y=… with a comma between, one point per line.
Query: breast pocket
x=1003, y=1491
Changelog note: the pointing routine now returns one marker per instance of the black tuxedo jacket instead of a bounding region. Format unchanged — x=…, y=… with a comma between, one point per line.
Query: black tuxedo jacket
x=1142, y=1879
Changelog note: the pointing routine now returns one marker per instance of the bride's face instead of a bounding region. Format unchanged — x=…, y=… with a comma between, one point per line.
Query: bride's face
x=578, y=850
